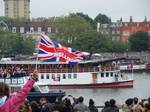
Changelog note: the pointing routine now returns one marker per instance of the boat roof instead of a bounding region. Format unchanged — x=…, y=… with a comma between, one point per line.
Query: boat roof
x=41, y=62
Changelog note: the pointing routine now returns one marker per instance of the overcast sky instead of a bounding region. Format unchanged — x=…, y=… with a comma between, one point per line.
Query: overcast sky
x=115, y=9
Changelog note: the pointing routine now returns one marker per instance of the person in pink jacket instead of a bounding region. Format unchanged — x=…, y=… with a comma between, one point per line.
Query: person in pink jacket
x=11, y=103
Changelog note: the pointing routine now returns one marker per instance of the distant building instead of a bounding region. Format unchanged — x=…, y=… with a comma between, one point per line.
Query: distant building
x=123, y=30
x=32, y=28
x=112, y=29
x=115, y=30
x=128, y=28
x=17, y=8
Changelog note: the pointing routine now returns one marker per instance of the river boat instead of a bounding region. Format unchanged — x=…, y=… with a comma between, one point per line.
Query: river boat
x=85, y=74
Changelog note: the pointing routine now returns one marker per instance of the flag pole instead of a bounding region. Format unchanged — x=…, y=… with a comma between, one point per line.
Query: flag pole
x=36, y=62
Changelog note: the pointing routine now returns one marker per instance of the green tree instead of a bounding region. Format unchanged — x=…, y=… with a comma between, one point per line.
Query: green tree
x=88, y=19
x=6, y=46
x=119, y=46
x=13, y=43
x=70, y=27
x=139, y=41
x=28, y=45
x=4, y=18
x=102, y=18
x=93, y=42
x=8, y=19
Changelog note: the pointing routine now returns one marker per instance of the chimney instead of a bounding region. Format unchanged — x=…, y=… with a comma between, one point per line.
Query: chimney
x=131, y=19
x=121, y=19
x=145, y=20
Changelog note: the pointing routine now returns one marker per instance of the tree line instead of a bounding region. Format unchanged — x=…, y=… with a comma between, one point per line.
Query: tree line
x=76, y=30
x=12, y=44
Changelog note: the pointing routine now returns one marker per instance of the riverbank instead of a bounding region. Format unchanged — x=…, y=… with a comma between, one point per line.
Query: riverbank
x=142, y=56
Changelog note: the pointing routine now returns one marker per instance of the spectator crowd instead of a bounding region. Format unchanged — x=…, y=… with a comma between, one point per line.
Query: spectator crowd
x=71, y=104
x=11, y=71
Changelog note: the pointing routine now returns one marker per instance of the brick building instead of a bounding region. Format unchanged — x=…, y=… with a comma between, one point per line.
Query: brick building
x=123, y=30
x=128, y=28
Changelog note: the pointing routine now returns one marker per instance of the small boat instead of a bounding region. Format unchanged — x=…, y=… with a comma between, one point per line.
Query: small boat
x=85, y=74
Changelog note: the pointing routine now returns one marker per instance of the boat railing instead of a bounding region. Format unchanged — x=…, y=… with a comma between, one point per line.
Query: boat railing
x=15, y=75
x=84, y=69
x=70, y=70
x=108, y=69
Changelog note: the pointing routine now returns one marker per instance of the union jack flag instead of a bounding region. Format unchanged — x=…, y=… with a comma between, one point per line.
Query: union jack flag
x=52, y=51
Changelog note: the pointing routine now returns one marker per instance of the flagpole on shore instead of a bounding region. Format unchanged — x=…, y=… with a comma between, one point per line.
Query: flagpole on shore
x=132, y=71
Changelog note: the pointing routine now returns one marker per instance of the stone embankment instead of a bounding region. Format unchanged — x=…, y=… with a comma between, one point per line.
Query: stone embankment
x=144, y=57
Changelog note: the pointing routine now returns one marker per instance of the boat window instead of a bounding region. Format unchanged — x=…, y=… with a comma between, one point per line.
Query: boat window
x=47, y=76
x=53, y=76
x=111, y=74
x=64, y=76
x=107, y=74
x=69, y=76
x=74, y=76
x=42, y=76
x=102, y=74
x=58, y=75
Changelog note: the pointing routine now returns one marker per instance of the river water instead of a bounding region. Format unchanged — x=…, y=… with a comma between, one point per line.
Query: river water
x=141, y=90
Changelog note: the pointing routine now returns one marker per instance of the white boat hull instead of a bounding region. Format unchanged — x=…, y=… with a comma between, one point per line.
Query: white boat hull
x=85, y=80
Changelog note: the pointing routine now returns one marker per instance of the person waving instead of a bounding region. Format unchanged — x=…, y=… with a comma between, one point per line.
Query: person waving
x=11, y=103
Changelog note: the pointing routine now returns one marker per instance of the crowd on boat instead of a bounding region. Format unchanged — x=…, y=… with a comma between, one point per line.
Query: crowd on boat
x=11, y=71
x=66, y=105
x=7, y=71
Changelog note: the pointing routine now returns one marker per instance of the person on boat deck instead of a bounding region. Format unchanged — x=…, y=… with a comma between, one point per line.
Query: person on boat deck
x=11, y=103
